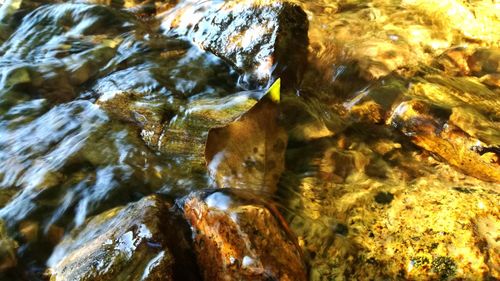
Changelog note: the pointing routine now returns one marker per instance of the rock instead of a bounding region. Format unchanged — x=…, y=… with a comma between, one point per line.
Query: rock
x=155, y=88
x=485, y=61
x=141, y=8
x=186, y=134
x=67, y=53
x=454, y=61
x=260, y=39
x=239, y=238
x=431, y=128
x=13, y=10
x=416, y=219
x=7, y=250
x=124, y=243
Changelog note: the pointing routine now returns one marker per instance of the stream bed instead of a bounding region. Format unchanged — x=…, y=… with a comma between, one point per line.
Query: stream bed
x=249, y=140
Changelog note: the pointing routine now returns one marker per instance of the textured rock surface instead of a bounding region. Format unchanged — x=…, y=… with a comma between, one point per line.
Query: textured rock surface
x=442, y=122
x=259, y=38
x=237, y=239
x=379, y=209
x=7, y=250
x=125, y=243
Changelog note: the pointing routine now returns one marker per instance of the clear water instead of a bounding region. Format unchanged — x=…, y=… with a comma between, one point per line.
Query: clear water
x=86, y=90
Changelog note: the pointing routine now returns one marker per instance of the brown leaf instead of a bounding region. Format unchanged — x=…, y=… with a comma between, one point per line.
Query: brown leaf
x=249, y=152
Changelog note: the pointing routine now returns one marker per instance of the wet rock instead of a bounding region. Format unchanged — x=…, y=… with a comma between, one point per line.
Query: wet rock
x=429, y=231
x=485, y=61
x=7, y=250
x=454, y=61
x=259, y=38
x=431, y=128
x=141, y=8
x=187, y=133
x=12, y=11
x=156, y=88
x=125, y=243
x=384, y=197
x=74, y=43
x=241, y=239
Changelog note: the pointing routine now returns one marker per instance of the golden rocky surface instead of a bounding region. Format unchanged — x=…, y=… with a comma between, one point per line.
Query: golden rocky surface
x=377, y=208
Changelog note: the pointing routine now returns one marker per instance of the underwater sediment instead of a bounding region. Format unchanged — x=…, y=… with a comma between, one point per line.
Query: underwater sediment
x=249, y=140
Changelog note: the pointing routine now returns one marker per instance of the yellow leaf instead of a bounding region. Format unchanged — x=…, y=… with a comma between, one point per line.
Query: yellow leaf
x=274, y=91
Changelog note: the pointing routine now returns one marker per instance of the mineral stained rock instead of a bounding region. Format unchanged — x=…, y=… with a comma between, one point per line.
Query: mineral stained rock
x=241, y=239
x=124, y=243
x=259, y=38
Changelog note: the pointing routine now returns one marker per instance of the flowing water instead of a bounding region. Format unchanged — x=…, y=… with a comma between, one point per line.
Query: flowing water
x=87, y=86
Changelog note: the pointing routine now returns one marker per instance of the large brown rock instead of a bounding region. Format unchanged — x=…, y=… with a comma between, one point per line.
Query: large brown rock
x=260, y=39
x=124, y=243
x=241, y=239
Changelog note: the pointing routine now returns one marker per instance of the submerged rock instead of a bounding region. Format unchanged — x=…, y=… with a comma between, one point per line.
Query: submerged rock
x=238, y=238
x=485, y=61
x=399, y=215
x=455, y=118
x=7, y=250
x=74, y=44
x=125, y=243
x=260, y=38
x=431, y=128
x=141, y=8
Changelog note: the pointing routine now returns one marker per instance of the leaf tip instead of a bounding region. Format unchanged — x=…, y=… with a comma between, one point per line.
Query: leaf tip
x=274, y=91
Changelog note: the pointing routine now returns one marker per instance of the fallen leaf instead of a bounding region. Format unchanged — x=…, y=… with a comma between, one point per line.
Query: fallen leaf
x=249, y=152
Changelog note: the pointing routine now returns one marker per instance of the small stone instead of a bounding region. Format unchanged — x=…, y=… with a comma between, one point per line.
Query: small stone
x=341, y=229
x=485, y=61
x=29, y=230
x=444, y=266
x=384, y=197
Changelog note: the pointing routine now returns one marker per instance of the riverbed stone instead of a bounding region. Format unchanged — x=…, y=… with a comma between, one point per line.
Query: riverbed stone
x=260, y=39
x=8, y=248
x=238, y=238
x=485, y=61
x=432, y=128
x=402, y=215
x=124, y=243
